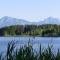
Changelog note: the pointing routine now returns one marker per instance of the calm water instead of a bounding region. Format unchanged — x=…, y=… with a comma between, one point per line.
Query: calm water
x=35, y=41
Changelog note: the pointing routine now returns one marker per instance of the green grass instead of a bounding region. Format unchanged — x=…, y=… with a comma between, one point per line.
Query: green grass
x=26, y=53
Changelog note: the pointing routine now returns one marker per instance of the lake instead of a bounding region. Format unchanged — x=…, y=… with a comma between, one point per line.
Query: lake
x=35, y=41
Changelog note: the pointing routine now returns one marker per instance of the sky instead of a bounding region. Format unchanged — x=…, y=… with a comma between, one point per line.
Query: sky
x=32, y=10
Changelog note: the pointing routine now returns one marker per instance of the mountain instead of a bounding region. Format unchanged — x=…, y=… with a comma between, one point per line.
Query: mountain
x=49, y=20
x=8, y=21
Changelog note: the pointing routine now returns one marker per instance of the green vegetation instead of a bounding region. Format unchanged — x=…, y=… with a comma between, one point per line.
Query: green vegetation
x=26, y=53
x=31, y=30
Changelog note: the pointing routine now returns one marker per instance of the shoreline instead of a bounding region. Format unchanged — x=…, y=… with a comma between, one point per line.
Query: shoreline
x=30, y=36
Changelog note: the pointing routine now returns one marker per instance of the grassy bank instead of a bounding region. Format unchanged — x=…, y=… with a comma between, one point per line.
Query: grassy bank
x=26, y=53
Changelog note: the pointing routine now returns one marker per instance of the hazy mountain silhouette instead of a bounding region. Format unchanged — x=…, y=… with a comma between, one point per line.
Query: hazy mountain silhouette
x=8, y=21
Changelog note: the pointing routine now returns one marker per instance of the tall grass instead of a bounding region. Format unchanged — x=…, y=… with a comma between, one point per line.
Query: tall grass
x=27, y=53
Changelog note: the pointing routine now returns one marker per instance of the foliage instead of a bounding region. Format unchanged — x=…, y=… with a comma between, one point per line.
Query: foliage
x=32, y=30
x=27, y=53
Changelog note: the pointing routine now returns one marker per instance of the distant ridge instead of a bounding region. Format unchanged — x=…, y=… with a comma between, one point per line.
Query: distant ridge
x=49, y=20
x=8, y=21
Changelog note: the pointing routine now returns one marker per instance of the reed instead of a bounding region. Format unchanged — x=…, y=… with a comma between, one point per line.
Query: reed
x=27, y=53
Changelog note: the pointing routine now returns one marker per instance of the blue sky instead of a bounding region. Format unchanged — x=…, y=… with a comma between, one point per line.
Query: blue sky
x=30, y=9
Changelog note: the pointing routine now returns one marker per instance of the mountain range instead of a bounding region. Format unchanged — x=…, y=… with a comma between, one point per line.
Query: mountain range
x=9, y=21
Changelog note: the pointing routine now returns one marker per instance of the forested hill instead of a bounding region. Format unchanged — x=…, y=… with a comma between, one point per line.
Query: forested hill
x=47, y=30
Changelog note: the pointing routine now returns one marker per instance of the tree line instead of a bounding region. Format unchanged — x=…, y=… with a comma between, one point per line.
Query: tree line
x=46, y=30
